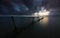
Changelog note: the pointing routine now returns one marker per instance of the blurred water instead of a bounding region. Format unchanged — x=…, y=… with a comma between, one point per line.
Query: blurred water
x=44, y=21
x=51, y=22
x=48, y=26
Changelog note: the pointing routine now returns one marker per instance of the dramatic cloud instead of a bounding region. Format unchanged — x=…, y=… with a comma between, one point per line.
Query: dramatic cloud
x=19, y=6
x=51, y=3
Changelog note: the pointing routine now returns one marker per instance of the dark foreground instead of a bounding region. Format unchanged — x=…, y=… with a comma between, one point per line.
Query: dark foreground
x=48, y=27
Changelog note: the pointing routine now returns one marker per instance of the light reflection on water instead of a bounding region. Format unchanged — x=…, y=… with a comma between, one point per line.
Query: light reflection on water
x=42, y=24
x=44, y=21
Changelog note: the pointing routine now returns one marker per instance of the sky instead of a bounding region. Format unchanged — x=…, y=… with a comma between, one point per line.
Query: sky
x=26, y=6
x=51, y=3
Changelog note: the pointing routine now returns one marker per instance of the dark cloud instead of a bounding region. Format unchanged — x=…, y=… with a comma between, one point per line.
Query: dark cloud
x=51, y=3
x=19, y=6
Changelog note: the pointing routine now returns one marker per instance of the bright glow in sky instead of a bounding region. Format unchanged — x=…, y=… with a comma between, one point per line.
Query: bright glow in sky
x=44, y=12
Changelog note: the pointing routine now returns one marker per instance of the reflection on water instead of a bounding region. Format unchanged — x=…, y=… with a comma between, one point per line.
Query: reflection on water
x=44, y=21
